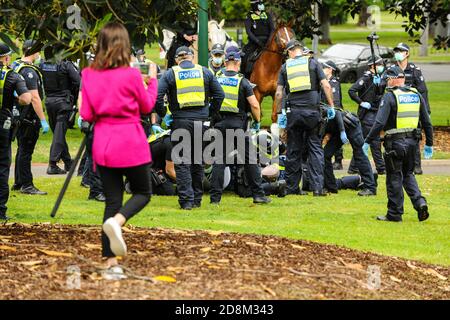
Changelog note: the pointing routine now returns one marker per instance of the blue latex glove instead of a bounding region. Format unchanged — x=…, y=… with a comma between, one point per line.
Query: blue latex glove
x=376, y=80
x=79, y=121
x=365, y=105
x=344, y=138
x=168, y=119
x=256, y=126
x=282, y=120
x=331, y=113
x=45, y=126
x=428, y=152
x=365, y=148
x=156, y=128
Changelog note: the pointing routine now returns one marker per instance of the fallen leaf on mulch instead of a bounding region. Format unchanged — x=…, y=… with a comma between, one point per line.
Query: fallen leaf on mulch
x=409, y=264
x=395, y=279
x=205, y=249
x=93, y=246
x=354, y=266
x=7, y=248
x=56, y=253
x=268, y=290
x=434, y=273
x=297, y=247
x=165, y=279
x=215, y=232
x=254, y=244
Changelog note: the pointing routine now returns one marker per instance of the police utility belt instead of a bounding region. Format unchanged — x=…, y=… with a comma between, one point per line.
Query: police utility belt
x=396, y=134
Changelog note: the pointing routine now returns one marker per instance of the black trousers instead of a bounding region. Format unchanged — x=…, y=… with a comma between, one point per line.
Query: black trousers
x=189, y=168
x=362, y=163
x=91, y=177
x=375, y=147
x=112, y=178
x=27, y=137
x=5, y=164
x=58, y=110
x=339, y=155
x=399, y=157
x=302, y=132
x=252, y=171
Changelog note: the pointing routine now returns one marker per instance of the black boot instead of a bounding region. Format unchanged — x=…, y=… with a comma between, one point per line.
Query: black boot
x=53, y=169
x=422, y=213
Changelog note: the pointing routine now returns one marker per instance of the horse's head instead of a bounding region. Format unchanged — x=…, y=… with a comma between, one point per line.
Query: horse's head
x=217, y=33
x=282, y=35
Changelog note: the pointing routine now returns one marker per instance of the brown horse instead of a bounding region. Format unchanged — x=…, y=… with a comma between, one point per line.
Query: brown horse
x=267, y=68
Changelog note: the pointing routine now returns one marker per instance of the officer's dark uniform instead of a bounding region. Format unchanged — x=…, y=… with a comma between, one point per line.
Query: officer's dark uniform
x=364, y=90
x=217, y=49
x=62, y=84
x=10, y=82
x=161, y=151
x=302, y=85
x=192, y=93
x=232, y=116
x=346, y=121
x=28, y=132
x=259, y=28
x=401, y=110
x=178, y=42
x=414, y=78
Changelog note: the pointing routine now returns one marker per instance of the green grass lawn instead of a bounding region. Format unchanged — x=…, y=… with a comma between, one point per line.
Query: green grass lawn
x=343, y=219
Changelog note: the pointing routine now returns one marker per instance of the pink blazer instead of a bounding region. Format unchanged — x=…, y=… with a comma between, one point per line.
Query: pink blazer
x=114, y=99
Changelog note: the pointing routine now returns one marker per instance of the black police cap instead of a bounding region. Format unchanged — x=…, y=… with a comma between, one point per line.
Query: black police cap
x=217, y=49
x=402, y=47
x=27, y=46
x=181, y=51
x=330, y=64
x=394, y=72
x=378, y=60
x=293, y=44
x=4, y=50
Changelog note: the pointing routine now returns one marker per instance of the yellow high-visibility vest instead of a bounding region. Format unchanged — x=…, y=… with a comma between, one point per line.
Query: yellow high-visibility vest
x=230, y=86
x=408, y=108
x=18, y=67
x=157, y=136
x=298, y=74
x=190, y=86
x=3, y=74
x=262, y=16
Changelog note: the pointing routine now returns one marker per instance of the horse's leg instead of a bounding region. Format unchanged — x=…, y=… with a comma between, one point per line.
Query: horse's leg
x=274, y=109
x=259, y=96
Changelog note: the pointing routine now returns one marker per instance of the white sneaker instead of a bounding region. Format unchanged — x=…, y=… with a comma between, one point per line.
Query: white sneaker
x=114, y=233
x=114, y=273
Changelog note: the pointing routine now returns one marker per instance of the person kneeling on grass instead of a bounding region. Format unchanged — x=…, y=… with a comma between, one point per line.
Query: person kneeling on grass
x=114, y=97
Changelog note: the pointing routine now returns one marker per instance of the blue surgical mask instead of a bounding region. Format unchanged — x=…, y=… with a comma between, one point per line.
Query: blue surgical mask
x=261, y=7
x=380, y=69
x=218, y=61
x=399, y=56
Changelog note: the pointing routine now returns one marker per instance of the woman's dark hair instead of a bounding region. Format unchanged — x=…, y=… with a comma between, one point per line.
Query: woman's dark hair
x=113, y=47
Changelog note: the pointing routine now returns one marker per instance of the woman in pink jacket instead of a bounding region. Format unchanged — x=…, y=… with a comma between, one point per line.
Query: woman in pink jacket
x=113, y=98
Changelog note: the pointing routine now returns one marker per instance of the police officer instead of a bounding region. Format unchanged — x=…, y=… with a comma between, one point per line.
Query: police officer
x=415, y=79
x=402, y=108
x=331, y=70
x=346, y=128
x=192, y=92
x=259, y=26
x=367, y=93
x=11, y=84
x=32, y=118
x=217, y=61
x=232, y=116
x=302, y=78
x=62, y=84
x=184, y=38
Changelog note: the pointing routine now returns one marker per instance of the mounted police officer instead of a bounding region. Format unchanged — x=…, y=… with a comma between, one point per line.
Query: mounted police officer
x=184, y=38
x=216, y=62
x=367, y=93
x=415, y=79
x=259, y=26
x=32, y=118
x=302, y=78
x=193, y=92
x=331, y=71
x=11, y=85
x=402, y=108
x=233, y=117
x=62, y=84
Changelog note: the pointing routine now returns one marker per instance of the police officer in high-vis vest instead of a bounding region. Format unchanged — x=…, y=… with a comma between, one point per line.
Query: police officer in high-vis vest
x=232, y=116
x=367, y=93
x=11, y=85
x=259, y=27
x=193, y=92
x=32, y=118
x=62, y=84
x=302, y=78
x=216, y=62
x=413, y=78
x=401, y=111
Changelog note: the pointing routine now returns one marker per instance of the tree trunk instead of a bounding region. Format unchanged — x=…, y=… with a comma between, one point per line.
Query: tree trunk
x=363, y=15
x=219, y=7
x=325, y=24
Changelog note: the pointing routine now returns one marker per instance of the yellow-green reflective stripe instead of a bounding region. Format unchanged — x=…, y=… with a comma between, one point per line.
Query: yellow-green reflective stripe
x=190, y=86
x=263, y=16
x=298, y=74
x=4, y=73
x=230, y=86
x=408, y=108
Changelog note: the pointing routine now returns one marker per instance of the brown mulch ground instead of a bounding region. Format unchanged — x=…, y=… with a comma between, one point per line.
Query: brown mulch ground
x=441, y=136
x=175, y=264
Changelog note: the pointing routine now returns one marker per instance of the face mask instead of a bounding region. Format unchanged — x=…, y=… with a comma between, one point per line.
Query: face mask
x=261, y=7
x=38, y=61
x=217, y=61
x=399, y=56
x=380, y=69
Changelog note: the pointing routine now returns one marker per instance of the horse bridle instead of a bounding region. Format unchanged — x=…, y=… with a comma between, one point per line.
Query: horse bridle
x=278, y=42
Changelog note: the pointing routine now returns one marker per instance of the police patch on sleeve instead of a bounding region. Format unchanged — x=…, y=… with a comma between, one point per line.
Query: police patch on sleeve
x=382, y=103
x=421, y=78
x=30, y=75
x=21, y=77
x=361, y=82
